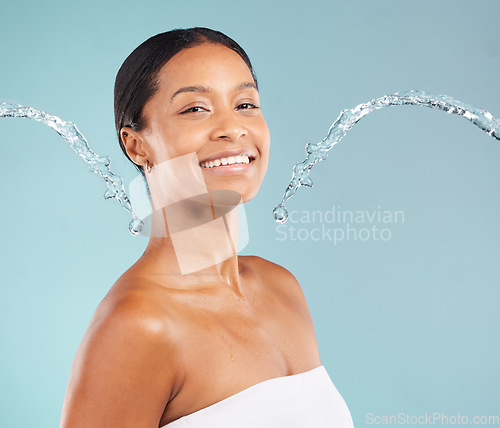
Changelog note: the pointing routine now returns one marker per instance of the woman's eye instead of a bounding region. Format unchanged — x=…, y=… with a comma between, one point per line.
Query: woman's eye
x=194, y=109
x=246, y=106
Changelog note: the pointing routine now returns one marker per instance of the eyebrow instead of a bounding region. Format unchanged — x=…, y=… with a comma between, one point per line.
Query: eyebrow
x=205, y=90
x=246, y=85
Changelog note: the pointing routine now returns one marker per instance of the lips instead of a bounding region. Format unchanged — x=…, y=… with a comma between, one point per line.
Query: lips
x=228, y=154
x=228, y=169
x=231, y=160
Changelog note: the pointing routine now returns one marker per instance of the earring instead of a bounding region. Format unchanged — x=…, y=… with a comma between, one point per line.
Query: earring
x=149, y=166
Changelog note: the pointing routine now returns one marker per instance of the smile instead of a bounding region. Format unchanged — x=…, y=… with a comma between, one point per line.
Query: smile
x=231, y=160
x=229, y=165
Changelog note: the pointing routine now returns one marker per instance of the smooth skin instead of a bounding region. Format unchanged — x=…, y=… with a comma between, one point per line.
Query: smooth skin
x=162, y=345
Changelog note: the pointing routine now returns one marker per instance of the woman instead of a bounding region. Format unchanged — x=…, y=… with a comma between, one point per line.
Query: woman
x=215, y=341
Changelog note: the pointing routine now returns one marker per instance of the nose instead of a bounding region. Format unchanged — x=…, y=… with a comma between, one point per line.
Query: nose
x=227, y=126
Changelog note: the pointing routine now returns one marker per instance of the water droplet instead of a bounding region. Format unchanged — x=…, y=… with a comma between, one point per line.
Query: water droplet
x=280, y=214
x=135, y=226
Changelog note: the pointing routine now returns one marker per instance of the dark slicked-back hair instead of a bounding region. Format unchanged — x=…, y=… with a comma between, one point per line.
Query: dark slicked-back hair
x=137, y=79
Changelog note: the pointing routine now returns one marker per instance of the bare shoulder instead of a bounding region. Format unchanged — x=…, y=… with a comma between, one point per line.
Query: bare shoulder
x=258, y=261
x=284, y=281
x=269, y=267
x=135, y=312
x=291, y=295
x=132, y=301
x=124, y=370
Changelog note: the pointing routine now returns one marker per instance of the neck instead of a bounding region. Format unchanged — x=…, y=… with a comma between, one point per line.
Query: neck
x=184, y=246
x=162, y=259
x=194, y=231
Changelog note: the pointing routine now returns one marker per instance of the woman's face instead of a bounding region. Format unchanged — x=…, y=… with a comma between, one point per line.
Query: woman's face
x=207, y=104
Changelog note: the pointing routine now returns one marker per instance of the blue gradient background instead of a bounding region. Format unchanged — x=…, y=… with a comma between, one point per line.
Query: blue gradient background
x=410, y=325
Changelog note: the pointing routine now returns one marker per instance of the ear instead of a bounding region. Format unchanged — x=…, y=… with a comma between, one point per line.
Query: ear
x=134, y=146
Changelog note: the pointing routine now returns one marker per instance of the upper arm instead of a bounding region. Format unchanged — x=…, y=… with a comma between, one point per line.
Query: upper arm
x=123, y=371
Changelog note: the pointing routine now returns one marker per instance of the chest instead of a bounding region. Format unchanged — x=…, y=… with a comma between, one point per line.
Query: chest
x=225, y=350
x=239, y=339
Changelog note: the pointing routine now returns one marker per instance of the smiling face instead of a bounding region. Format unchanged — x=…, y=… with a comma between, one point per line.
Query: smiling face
x=207, y=104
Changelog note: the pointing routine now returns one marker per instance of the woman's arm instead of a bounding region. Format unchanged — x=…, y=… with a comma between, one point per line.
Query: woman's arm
x=123, y=373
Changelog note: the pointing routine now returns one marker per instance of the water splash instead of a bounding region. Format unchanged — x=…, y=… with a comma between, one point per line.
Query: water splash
x=348, y=118
x=315, y=152
x=97, y=164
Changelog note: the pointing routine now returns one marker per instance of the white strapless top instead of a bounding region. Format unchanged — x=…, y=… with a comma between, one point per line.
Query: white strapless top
x=303, y=400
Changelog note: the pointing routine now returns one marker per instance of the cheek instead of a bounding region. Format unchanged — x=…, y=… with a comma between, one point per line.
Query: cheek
x=188, y=138
x=265, y=143
x=263, y=136
x=176, y=141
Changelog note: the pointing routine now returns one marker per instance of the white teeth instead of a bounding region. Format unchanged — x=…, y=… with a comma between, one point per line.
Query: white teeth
x=231, y=160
